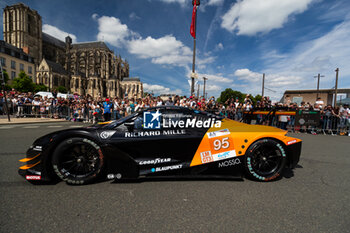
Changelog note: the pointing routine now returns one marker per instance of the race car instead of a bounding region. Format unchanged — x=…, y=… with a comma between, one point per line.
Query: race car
x=161, y=142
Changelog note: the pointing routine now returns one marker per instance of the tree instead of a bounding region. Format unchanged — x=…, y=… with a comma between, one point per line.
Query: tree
x=6, y=77
x=39, y=87
x=23, y=83
x=62, y=89
x=228, y=93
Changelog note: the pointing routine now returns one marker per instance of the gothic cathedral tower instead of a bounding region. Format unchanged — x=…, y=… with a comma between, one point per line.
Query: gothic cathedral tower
x=22, y=28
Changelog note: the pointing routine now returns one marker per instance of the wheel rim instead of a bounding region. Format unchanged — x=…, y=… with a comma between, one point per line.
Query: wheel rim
x=266, y=159
x=79, y=161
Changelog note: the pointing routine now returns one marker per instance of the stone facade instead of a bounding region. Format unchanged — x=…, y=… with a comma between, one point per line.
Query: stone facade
x=91, y=67
x=52, y=75
x=132, y=88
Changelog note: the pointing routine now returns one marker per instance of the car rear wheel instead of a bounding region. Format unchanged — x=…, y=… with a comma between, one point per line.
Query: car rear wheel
x=265, y=160
x=78, y=160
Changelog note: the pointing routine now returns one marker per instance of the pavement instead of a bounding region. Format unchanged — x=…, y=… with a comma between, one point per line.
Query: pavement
x=313, y=198
x=14, y=120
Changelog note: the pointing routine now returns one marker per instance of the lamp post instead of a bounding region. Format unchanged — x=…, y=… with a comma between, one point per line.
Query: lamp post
x=204, y=79
x=318, y=84
x=336, y=87
x=195, y=4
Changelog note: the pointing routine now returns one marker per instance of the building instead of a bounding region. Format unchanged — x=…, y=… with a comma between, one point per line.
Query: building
x=83, y=68
x=132, y=88
x=298, y=96
x=15, y=60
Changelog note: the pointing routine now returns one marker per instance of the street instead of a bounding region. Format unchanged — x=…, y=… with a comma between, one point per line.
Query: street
x=313, y=198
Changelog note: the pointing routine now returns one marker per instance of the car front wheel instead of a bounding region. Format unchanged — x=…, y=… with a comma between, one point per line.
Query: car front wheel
x=78, y=160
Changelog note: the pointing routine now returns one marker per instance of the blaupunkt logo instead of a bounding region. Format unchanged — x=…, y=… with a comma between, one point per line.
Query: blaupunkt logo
x=151, y=120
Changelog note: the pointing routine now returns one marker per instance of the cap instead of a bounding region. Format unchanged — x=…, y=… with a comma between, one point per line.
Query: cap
x=107, y=99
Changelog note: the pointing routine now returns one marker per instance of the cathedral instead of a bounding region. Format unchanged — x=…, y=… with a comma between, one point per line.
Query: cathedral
x=86, y=68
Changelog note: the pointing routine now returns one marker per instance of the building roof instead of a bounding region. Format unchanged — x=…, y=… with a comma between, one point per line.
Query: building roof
x=52, y=40
x=56, y=68
x=90, y=45
x=342, y=90
x=130, y=79
x=17, y=52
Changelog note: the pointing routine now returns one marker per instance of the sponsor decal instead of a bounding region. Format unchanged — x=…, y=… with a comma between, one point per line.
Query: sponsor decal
x=206, y=157
x=224, y=155
x=154, y=133
x=106, y=134
x=155, y=161
x=167, y=168
x=32, y=177
x=291, y=142
x=152, y=120
x=218, y=133
x=229, y=163
x=38, y=148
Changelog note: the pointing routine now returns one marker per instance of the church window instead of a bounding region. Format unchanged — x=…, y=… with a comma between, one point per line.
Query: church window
x=13, y=74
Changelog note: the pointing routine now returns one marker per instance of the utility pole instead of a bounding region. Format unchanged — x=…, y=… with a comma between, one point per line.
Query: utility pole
x=318, y=84
x=195, y=4
x=198, y=90
x=263, y=85
x=336, y=87
x=204, y=79
x=3, y=88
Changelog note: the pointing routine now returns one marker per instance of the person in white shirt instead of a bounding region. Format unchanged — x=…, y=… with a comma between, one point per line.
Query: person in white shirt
x=319, y=102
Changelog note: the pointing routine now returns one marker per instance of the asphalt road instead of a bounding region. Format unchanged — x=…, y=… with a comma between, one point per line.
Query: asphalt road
x=315, y=199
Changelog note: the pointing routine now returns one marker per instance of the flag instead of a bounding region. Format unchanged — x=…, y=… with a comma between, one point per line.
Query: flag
x=193, y=23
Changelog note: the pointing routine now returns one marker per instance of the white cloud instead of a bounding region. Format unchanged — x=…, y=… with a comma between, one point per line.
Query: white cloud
x=215, y=2
x=219, y=47
x=133, y=16
x=94, y=16
x=57, y=33
x=322, y=55
x=249, y=17
x=216, y=78
x=112, y=30
x=159, y=89
x=181, y=2
x=247, y=75
x=165, y=50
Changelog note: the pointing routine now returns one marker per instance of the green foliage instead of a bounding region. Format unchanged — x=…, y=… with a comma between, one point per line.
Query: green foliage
x=228, y=93
x=23, y=83
x=6, y=76
x=62, y=89
x=39, y=87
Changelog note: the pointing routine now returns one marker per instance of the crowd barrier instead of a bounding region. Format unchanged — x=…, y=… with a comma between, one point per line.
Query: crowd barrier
x=295, y=121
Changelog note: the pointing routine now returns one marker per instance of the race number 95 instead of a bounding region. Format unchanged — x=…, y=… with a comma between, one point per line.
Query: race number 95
x=221, y=143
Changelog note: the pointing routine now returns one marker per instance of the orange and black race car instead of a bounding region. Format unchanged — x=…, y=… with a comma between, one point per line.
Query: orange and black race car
x=162, y=141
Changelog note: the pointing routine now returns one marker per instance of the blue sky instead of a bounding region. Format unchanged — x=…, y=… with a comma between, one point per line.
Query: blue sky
x=290, y=41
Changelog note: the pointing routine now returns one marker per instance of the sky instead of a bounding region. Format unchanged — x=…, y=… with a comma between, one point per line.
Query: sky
x=291, y=41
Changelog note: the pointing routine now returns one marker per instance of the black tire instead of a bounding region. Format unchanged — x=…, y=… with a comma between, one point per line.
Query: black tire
x=78, y=161
x=265, y=160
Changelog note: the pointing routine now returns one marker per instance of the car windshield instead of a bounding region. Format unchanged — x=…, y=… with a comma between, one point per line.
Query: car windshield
x=115, y=123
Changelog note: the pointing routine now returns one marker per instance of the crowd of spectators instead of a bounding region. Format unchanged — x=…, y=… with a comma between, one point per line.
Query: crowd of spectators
x=88, y=109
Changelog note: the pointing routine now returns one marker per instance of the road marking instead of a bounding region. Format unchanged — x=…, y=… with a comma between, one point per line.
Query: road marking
x=30, y=127
x=55, y=126
x=75, y=126
x=7, y=127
